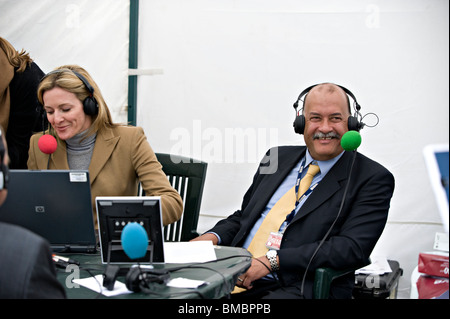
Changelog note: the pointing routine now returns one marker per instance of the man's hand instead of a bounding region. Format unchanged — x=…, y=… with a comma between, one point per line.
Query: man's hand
x=207, y=237
x=258, y=269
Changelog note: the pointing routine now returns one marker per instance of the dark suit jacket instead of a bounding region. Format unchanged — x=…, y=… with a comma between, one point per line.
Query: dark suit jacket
x=354, y=235
x=25, y=114
x=26, y=267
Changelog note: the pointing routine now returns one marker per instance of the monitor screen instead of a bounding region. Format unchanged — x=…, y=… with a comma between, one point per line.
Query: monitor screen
x=437, y=160
x=114, y=213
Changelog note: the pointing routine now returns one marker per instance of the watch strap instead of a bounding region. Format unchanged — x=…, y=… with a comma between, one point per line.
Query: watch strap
x=273, y=261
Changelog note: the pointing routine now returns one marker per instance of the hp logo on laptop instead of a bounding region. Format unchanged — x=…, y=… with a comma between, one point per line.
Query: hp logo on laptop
x=39, y=209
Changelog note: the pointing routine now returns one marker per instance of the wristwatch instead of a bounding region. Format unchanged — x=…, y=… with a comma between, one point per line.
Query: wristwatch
x=272, y=256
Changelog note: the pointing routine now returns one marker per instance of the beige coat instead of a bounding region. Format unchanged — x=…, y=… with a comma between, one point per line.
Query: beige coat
x=122, y=158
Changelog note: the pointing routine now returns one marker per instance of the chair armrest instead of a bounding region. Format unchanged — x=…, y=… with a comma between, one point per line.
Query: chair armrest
x=323, y=278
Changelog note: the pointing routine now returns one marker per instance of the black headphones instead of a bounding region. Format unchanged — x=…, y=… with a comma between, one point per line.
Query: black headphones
x=4, y=170
x=353, y=123
x=90, y=105
x=137, y=278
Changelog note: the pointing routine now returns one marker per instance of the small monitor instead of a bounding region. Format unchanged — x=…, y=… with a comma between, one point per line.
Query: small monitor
x=114, y=213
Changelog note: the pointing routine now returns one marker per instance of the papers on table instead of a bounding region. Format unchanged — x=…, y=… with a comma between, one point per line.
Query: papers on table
x=96, y=284
x=189, y=252
x=379, y=266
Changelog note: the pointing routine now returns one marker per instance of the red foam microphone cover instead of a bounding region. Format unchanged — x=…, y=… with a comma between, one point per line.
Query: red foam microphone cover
x=47, y=144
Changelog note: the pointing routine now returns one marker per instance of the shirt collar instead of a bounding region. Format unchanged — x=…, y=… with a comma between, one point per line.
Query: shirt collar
x=324, y=166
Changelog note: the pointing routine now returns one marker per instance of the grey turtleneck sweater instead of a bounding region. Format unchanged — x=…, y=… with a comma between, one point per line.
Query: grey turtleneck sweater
x=79, y=152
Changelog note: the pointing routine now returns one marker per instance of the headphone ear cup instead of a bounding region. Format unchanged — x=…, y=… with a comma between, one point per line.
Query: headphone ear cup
x=90, y=106
x=132, y=279
x=299, y=124
x=353, y=124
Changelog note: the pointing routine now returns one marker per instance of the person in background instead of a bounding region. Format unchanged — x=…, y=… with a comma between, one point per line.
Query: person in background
x=117, y=156
x=20, y=112
x=283, y=250
x=26, y=267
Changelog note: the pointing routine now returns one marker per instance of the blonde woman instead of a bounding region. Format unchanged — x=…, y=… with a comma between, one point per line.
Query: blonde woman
x=117, y=156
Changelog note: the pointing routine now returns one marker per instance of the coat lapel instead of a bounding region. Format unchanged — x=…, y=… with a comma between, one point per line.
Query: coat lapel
x=59, y=157
x=104, y=146
x=272, y=181
x=265, y=189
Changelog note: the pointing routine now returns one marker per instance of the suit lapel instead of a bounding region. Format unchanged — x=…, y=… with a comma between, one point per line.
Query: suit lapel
x=59, y=157
x=104, y=146
x=272, y=181
x=267, y=187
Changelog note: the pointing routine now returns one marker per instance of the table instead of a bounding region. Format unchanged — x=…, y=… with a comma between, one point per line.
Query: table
x=220, y=275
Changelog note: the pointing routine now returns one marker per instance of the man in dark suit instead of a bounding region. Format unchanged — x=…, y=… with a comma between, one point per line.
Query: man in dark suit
x=348, y=243
x=26, y=266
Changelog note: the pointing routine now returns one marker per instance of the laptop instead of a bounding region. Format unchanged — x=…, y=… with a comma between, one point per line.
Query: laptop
x=55, y=204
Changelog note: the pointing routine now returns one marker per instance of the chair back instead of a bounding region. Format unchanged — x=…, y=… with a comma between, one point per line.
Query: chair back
x=187, y=176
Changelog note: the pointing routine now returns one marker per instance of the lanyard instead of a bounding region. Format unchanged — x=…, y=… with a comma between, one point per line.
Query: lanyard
x=297, y=186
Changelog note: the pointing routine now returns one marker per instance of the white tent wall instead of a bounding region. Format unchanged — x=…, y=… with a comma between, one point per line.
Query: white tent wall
x=92, y=34
x=228, y=72
x=231, y=71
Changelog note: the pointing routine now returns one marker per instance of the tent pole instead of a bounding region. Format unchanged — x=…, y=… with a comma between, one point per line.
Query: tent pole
x=133, y=61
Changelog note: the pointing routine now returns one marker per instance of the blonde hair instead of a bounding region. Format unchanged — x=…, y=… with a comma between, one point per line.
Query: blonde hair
x=17, y=59
x=65, y=78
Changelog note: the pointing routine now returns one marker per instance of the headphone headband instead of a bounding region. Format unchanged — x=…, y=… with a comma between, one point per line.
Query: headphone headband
x=347, y=92
x=354, y=124
x=85, y=82
x=90, y=105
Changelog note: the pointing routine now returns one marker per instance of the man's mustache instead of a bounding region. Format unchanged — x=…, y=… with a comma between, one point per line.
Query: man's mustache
x=329, y=135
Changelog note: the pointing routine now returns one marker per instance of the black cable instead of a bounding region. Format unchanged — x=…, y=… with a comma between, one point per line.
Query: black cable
x=99, y=294
x=274, y=274
x=146, y=289
x=330, y=229
x=200, y=265
x=145, y=286
x=169, y=270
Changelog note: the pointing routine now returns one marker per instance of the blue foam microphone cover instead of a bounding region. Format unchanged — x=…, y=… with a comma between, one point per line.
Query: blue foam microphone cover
x=351, y=140
x=134, y=240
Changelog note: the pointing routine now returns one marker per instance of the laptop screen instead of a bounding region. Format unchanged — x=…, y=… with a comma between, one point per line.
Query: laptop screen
x=55, y=204
x=437, y=159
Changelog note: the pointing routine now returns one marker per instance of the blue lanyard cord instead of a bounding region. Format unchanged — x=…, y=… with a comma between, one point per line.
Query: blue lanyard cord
x=297, y=183
x=297, y=186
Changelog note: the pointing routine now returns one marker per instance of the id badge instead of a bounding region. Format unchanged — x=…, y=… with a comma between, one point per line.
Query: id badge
x=274, y=241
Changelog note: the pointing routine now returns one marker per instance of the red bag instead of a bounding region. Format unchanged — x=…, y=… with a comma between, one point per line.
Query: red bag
x=433, y=265
x=431, y=287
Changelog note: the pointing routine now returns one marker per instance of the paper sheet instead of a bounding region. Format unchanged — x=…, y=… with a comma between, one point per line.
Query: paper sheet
x=378, y=266
x=185, y=283
x=189, y=252
x=96, y=284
